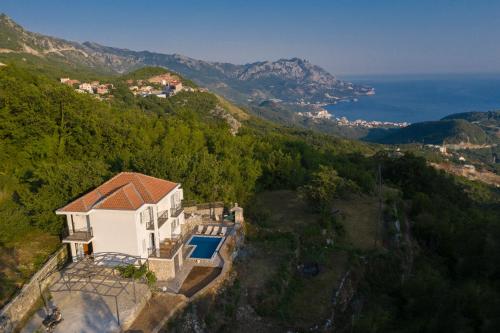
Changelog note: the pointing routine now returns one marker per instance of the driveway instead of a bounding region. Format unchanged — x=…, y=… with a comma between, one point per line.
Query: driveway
x=89, y=312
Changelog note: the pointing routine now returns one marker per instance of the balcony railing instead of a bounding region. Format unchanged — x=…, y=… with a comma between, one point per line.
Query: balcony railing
x=150, y=225
x=162, y=218
x=176, y=211
x=80, y=235
x=170, y=246
x=152, y=252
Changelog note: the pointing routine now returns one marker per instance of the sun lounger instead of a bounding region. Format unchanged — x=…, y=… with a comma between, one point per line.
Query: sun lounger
x=200, y=229
x=209, y=230
x=223, y=231
x=215, y=231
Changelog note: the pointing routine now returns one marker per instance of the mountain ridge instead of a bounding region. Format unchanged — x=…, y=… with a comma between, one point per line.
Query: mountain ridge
x=457, y=128
x=291, y=80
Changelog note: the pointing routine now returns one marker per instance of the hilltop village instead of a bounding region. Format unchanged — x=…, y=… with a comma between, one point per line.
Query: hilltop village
x=162, y=86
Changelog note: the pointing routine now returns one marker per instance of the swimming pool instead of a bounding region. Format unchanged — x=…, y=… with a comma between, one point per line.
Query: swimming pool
x=204, y=246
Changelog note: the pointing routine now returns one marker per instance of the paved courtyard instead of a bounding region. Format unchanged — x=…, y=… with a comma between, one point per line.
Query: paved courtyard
x=88, y=312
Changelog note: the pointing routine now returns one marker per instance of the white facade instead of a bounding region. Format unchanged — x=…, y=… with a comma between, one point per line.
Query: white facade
x=87, y=87
x=133, y=232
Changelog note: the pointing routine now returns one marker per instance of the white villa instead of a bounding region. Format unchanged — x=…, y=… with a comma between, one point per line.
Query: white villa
x=131, y=213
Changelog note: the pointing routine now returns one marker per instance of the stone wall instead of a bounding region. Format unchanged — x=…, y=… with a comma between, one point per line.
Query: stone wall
x=164, y=268
x=238, y=214
x=210, y=209
x=136, y=310
x=16, y=310
x=190, y=223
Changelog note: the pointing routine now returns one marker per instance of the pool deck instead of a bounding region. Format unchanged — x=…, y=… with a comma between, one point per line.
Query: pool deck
x=175, y=284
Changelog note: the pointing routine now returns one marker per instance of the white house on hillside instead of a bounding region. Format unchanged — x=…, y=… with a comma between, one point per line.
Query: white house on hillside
x=133, y=214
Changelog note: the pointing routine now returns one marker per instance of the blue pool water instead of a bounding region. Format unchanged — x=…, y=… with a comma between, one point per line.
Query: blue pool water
x=204, y=246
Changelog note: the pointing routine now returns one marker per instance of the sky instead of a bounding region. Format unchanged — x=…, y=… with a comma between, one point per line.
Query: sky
x=346, y=37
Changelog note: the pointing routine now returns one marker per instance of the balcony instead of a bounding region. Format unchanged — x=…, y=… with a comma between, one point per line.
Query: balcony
x=169, y=246
x=162, y=218
x=176, y=211
x=79, y=235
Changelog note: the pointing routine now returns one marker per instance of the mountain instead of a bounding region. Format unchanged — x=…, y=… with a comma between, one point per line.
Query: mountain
x=488, y=121
x=434, y=132
x=476, y=116
x=290, y=80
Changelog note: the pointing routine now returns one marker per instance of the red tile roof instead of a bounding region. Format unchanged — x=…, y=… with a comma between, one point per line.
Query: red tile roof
x=125, y=191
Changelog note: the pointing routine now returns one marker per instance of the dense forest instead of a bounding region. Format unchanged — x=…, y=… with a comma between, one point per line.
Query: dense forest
x=443, y=276
x=56, y=144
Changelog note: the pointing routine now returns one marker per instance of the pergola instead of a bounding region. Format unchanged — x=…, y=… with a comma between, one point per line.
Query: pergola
x=98, y=274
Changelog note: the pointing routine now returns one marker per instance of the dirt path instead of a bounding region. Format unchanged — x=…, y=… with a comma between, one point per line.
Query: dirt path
x=159, y=308
x=198, y=278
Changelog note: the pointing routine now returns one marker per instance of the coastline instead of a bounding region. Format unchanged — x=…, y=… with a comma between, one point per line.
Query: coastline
x=411, y=98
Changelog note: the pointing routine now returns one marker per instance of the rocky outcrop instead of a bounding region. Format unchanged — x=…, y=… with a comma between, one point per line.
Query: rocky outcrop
x=234, y=124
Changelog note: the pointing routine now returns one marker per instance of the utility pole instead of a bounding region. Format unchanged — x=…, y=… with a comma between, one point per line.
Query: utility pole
x=379, y=220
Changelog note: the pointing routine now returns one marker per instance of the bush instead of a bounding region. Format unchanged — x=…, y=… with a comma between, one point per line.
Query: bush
x=137, y=273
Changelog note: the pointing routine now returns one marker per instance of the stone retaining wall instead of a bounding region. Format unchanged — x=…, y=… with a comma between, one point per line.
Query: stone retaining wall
x=16, y=310
x=144, y=298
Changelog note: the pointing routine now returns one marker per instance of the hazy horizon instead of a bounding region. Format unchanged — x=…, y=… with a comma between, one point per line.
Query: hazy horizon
x=346, y=38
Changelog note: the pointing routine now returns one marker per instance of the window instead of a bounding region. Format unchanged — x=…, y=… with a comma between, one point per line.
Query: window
x=146, y=215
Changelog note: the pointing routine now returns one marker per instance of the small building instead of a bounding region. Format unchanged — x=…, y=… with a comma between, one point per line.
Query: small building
x=173, y=87
x=146, y=89
x=87, y=87
x=102, y=89
x=68, y=81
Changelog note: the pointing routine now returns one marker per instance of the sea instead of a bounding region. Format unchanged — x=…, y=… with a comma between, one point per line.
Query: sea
x=416, y=98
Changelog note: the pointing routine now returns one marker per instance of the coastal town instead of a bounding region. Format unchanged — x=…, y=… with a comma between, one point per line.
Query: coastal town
x=323, y=114
x=343, y=121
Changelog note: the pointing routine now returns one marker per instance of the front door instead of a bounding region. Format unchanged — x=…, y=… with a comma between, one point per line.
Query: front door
x=88, y=249
x=152, y=241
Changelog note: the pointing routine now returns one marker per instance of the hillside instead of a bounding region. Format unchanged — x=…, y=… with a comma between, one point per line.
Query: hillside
x=469, y=127
x=432, y=132
x=476, y=116
x=56, y=144
x=290, y=80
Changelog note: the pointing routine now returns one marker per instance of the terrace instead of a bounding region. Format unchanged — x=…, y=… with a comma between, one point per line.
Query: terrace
x=79, y=235
x=169, y=247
